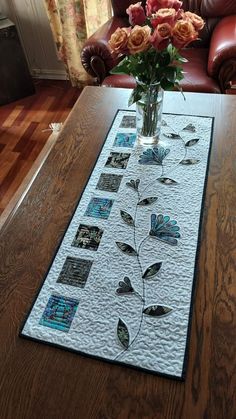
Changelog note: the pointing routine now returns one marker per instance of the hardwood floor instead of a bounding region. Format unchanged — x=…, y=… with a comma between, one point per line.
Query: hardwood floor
x=24, y=131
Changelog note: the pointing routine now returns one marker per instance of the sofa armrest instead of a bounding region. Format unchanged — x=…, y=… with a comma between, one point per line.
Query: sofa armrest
x=222, y=52
x=96, y=56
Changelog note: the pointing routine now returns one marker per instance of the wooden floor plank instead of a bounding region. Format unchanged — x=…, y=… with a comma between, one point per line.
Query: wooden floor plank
x=24, y=131
x=12, y=117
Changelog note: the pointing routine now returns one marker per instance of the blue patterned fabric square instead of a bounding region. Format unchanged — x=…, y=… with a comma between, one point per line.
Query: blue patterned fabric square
x=125, y=139
x=99, y=208
x=59, y=313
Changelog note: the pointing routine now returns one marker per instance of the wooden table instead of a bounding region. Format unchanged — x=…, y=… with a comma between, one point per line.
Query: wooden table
x=39, y=381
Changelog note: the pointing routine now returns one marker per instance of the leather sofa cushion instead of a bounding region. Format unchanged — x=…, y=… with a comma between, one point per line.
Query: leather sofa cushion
x=216, y=8
x=195, y=80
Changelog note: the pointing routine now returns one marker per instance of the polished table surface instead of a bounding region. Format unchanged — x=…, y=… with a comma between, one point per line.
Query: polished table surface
x=40, y=381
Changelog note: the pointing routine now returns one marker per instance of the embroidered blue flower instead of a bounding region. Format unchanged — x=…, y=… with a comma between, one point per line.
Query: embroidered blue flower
x=164, y=229
x=154, y=155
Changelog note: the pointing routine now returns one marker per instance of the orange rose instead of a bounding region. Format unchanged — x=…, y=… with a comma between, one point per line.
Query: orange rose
x=164, y=16
x=139, y=39
x=119, y=39
x=161, y=36
x=183, y=33
x=196, y=20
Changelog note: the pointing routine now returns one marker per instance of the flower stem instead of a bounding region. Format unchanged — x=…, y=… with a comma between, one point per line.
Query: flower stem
x=149, y=110
x=142, y=297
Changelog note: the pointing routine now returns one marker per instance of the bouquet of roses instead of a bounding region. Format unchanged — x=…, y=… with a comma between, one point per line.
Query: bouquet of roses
x=151, y=44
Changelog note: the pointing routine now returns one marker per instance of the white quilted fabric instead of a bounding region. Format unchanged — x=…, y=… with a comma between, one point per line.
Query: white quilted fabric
x=160, y=344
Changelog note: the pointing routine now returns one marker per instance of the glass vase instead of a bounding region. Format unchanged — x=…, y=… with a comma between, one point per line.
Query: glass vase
x=149, y=114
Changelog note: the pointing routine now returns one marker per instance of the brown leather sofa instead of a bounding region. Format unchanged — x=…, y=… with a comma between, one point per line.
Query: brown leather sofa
x=211, y=66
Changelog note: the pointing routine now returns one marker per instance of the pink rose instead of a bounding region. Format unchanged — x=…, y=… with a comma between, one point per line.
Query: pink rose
x=183, y=33
x=196, y=20
x=176, y=4
x=136, y=14
x=152, y=6
x=161, y=36
x=164, y=16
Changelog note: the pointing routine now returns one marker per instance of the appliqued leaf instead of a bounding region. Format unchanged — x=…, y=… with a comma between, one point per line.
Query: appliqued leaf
x=172, y=135
x=126, y=248
x=192, y=142
x=127, y=218
x=148, y=201
x=190, y=127
x=123, y=334
x=157, y=311
x=167, y=181
x=134, y=184
x=125, y=286
x=152, y=270
x=189, y=161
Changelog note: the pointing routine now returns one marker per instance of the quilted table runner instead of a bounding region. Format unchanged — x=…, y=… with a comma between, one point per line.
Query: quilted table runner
x=120, y=287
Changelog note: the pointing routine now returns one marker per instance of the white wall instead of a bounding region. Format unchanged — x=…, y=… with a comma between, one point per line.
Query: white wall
x=34, y=30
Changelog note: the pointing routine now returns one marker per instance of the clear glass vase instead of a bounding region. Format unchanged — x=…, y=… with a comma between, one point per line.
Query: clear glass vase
x=149, y=114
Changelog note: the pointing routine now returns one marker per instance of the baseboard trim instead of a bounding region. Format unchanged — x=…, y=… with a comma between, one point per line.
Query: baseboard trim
x=48, y=74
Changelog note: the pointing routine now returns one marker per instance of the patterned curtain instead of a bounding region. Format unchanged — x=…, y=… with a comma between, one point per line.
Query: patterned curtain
x=72, y=22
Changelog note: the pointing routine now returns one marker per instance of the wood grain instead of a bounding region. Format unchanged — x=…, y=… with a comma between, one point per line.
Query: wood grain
x=39, y=381
x=24, y=131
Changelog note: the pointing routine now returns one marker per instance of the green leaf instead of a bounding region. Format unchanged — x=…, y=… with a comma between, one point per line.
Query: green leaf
x=122, y=67
x=166, y=84
x=136, y=95
x=182, y=60
x=179, y=73
x=164, y=59
x=170, y=74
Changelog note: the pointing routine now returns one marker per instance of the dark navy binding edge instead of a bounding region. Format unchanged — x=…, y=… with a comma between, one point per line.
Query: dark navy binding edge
x=110, y=361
